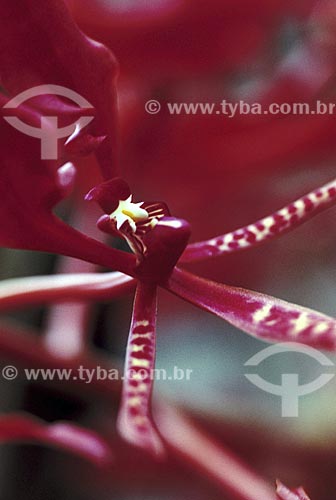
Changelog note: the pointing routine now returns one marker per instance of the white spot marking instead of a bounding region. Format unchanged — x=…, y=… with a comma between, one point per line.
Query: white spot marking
x=143, y=322
x=262, y=313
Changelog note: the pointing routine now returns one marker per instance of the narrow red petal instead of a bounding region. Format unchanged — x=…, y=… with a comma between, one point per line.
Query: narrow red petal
x=260, y=315
x=69, y=437
x=20, y=292
x=135, y=422
x=28, y=349
x=269, y=227
x=200, y=451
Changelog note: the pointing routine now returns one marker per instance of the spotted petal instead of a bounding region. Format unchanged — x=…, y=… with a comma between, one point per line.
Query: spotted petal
x=135, y=422
x=260, y=315
x=267, y=228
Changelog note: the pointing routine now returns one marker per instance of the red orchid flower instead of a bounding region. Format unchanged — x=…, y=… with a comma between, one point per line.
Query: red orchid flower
x=158, y=242
x=30, y=188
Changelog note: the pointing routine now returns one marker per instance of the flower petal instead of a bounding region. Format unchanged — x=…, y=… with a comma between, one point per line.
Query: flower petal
x=59, y=54
x=199, y=450
x=29, y=189
x=260, y=315
x=109, y=193
x=19, y=292
x=269, y=227
x=283, y=493
x=72, y=438
x=135, y=422
x=27, y=349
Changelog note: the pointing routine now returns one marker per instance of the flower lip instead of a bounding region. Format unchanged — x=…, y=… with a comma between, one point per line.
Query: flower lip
x=109, y=194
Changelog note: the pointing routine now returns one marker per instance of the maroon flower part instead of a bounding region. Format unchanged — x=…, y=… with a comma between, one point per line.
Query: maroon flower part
x=60, y=54
x=156, y=239
x=283, y=493
x=29, y=189
x=69, y=437
x=135, y=422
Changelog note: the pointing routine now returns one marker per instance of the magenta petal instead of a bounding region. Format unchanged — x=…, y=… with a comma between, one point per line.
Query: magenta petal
x=59, y=53
x=283, y=493
x=260, y=315
x=69, y=437
x=135, y=422
x=29, y=189
x=269, y=227
x=109, y=193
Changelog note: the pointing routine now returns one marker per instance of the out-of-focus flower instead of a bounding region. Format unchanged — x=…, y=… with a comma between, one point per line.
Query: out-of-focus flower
x=71, y=60
x=177, y=38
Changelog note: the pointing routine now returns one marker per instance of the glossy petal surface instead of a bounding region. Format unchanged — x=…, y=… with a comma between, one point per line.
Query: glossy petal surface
x=262, y=316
